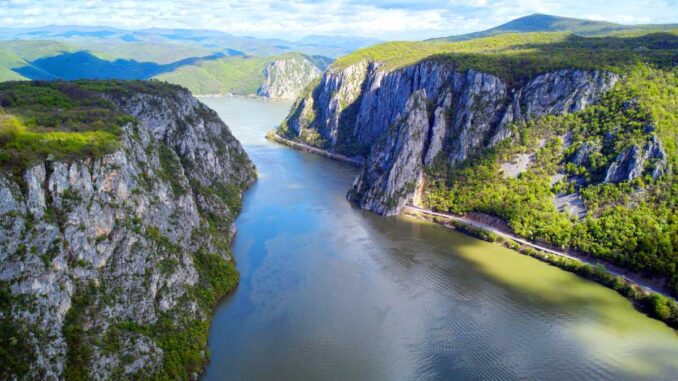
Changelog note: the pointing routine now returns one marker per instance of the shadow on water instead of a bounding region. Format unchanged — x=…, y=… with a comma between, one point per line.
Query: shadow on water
x=604, y=319
x=331, y=292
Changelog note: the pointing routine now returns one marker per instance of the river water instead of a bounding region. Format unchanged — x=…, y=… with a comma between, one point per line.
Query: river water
x=330, y=292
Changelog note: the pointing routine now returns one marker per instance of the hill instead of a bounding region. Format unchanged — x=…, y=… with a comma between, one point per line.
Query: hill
x=548, y=23
x=155, y=43
x=79, y=163
x=570, y=140
x=244, y=75
x=216, y=73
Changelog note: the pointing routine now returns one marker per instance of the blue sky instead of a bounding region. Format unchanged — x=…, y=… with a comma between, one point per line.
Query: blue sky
x=387, y=19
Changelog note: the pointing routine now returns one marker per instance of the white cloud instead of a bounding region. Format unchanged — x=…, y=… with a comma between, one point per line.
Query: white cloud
x=388, y=19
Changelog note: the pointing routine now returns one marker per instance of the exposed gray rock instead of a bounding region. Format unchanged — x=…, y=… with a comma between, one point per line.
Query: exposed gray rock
x=581, y=156
x=565, y=91
x=361, y=109
x=519, y=165
x=391, y=171
x=287, y=77
x=634, y=161
x=109, y=222
x=571, y=204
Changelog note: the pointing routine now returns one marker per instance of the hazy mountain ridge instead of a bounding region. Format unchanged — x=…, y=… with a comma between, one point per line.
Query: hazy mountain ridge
x=211, y=40
x=548, y=23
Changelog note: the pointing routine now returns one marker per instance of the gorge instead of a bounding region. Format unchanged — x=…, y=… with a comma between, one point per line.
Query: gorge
x=547, y=141
x=329, y=291
x=152, y=226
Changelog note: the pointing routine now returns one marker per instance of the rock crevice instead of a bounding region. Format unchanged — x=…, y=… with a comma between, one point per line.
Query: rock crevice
x=125, y=223
x=442, y=113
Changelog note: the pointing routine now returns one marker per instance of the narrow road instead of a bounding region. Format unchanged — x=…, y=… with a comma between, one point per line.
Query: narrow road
x=617, y=272
x=315, y=150
x=646, y=287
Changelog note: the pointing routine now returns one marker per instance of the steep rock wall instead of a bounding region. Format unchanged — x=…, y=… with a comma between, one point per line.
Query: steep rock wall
x=286, y=78
x=399, y=121
x=125, y=225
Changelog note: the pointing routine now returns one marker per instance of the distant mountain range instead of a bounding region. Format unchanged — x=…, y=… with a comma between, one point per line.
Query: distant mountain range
x=133, y=44
x=204, y=61
x=208, y=61
x=548, y=23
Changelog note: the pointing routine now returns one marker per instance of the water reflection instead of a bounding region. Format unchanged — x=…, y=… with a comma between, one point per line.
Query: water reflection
x=330, y=292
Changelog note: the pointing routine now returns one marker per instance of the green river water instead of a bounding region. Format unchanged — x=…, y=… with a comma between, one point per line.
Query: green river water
x=331, y=292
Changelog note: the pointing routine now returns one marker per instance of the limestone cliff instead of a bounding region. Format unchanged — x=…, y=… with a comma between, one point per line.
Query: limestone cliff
x=286, y=77
x=402, y=120
x=106, y=258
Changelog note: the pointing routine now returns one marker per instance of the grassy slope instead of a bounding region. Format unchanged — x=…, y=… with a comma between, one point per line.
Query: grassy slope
x=16, y=54
x=34, y=49
x=237, y=75
x=549, y=23
x=517, y=56
x=162, y=53
x=9, y=60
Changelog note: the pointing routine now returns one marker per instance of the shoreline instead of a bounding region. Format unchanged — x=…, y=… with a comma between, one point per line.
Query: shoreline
x=273, y=136
x=642, y=295
x=413, y=211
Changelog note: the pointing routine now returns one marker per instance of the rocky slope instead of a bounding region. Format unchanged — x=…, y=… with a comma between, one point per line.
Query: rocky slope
x=287, y=77
x=107, y=261
x=401, y=121
x=282, y=76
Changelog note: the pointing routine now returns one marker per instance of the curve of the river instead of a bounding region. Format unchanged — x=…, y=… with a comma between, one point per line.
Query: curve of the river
x=330, y=292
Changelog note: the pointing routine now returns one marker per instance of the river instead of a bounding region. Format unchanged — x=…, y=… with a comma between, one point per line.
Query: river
x=330, y=292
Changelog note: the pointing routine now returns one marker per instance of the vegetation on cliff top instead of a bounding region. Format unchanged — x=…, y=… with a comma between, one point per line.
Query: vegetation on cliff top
x=550, y=23
x=519, y=56
x=632, y=224
x=64, y=120
x=241, y=75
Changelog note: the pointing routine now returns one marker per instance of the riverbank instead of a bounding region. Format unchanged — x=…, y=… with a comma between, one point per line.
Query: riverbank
x=273, y=136
x=647, y=300
x=645, y=296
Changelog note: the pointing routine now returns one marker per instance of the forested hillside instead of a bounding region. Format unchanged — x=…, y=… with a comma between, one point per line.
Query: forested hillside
x=569, y=139
x=207, y=72
x=549, y=23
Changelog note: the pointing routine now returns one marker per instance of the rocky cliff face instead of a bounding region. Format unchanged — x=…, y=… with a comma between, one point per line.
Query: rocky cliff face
x=400, y=121
x=97, y=252
x=286, y=78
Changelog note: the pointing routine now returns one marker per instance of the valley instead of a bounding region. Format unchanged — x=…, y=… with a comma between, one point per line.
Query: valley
x=373, y=191
x=329, y=291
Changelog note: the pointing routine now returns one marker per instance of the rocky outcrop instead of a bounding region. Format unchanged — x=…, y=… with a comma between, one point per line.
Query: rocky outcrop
x=287, y=77
x=443, y=113
x=634, y=161
x=581, y=156
x=120, y=232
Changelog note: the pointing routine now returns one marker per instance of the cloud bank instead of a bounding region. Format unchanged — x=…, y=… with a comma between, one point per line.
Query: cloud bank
x=387, y=19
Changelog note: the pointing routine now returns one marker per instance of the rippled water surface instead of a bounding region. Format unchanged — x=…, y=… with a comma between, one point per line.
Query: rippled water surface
x=330, y=292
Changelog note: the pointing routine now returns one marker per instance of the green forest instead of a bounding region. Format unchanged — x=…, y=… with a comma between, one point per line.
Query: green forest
x=631, y=224
x=64, y=120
